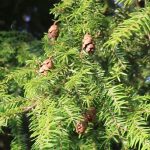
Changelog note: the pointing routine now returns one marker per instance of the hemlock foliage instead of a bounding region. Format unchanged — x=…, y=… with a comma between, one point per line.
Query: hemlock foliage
x=112, y=79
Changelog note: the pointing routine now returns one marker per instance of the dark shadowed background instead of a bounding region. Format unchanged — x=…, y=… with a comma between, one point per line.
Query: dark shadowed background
x=26, y=15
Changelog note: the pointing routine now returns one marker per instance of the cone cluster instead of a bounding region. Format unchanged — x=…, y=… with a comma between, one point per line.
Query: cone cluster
x=89, y=116
x=46, y=66
x=89, y=47
x=88, y=44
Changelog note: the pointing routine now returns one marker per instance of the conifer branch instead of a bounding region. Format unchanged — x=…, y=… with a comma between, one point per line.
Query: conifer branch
x=137, y=23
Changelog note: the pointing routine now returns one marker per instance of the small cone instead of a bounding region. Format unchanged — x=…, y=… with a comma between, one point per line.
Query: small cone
x=41, y=70
x=45, y=66
x=81, y=127
x=90, y=48
x=48, y=62
x=90, y=114
x=88, y=44
x=53, y=32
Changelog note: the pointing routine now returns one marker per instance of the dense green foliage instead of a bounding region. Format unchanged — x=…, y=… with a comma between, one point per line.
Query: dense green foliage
x=112, y=80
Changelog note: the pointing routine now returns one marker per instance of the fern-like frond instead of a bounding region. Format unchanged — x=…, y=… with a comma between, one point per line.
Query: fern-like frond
x=138, y=132
x=117, y=98
x=76, y=79
x=70, y=108
x=11, y=107
x=139, y=22
x=21, y=76
x=19, y=141
x=47, y=127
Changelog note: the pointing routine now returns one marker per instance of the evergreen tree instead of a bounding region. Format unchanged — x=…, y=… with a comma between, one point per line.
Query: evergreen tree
x=91, y=89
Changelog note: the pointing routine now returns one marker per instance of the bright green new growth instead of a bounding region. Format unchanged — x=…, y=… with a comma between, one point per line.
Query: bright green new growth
x=112, y=80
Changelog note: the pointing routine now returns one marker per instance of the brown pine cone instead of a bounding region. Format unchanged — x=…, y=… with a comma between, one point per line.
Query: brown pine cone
x=81, y=127
x=41, y=70
x=86, y=40
x=45, y=66
x=53, y=32
x=88, y=44
x=90, y=48
x=48, y=62
x=90, y=114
